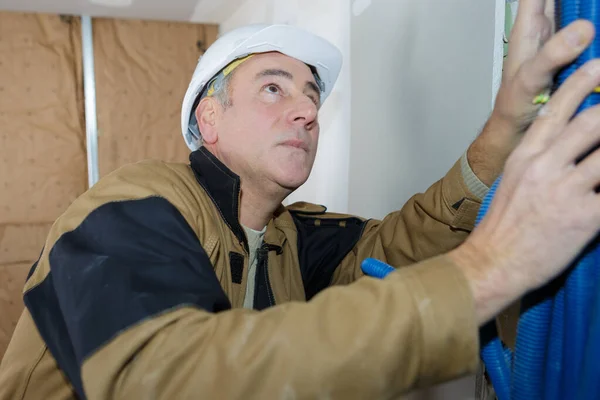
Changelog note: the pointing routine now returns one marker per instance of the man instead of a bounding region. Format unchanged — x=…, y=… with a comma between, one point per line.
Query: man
x=171, y=281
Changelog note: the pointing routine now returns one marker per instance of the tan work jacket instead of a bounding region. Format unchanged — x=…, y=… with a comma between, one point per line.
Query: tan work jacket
x=138, y=294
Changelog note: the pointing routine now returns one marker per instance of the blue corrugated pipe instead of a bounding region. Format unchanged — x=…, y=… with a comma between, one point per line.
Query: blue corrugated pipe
x=375, y=268
x=581, y=281
x=579, y=290
x=554, y=358
x=530, y=349
x=589, y=382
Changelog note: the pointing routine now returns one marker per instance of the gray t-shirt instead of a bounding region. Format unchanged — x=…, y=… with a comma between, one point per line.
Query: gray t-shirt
x=255, y=239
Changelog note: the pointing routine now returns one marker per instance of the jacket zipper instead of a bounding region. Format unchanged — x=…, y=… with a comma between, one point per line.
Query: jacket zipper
x=263, y=262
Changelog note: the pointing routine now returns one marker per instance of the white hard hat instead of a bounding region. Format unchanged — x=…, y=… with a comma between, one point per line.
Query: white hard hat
x=294, y=42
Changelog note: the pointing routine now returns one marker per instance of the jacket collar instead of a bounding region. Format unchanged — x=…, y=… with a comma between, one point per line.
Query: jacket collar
x=223, y=187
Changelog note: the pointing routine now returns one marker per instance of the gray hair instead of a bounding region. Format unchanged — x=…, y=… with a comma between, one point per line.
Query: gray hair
x=222, y=90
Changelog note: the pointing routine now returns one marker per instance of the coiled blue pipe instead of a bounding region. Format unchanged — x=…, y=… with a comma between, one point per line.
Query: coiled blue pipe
x=375, y=268
x=581, y=282
x=497, y=360
x=554, y=358
x=530, y=350
x=590, y=10
x=579, y=290
x=590, y=379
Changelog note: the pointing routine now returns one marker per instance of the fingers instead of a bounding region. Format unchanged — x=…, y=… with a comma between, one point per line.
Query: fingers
x=550, y=13
x=554, y=116
x=532, y=28
x=562, y=49
x=582, y=134
x=515, y=100
x=532, y=7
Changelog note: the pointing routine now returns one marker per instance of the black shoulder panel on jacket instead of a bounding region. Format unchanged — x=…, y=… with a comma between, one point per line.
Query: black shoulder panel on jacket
x=322, y=246
x=126, y=262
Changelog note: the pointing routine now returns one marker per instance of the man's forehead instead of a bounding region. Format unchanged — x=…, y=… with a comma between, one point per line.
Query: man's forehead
x=274, y=60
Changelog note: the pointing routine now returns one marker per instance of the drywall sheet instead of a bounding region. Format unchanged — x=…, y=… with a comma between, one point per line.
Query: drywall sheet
x=143, y=69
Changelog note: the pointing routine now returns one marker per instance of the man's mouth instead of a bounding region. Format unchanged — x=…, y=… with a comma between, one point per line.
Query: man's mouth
x=300, y=144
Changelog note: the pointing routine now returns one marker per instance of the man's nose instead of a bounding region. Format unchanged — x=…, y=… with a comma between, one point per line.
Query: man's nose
x=303, y=112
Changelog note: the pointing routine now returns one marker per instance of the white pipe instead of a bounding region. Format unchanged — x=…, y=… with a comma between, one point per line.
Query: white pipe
x=89, y=85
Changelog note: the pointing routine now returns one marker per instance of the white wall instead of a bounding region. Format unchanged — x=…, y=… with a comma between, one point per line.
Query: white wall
x=422, y=89
x=328, y=183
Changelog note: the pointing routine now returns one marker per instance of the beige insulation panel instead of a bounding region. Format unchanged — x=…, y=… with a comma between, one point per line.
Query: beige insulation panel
x=42, y=139
x=143, y=69
x=42, y=148
x=12, y=277
x=142, y=72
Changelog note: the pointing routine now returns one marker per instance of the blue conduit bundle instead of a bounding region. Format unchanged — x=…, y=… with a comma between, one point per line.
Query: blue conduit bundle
x=557, y=351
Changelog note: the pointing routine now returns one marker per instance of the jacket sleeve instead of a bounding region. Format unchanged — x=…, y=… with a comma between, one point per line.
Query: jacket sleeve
x=428, y=225
x=129, y=305
x=371, y=340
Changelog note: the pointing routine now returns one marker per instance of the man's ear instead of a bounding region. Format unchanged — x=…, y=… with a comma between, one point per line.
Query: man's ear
x=206, y=115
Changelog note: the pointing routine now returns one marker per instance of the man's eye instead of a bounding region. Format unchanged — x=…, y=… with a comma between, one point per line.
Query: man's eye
x=272, y=88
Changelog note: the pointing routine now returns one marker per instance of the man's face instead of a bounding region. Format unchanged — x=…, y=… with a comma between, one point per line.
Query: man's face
x=269, y=133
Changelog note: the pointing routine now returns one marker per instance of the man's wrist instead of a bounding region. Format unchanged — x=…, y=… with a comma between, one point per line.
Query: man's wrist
x=489, y=278
x=488, y=153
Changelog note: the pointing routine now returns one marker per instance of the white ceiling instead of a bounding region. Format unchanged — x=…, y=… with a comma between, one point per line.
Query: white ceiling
x=207, y=11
